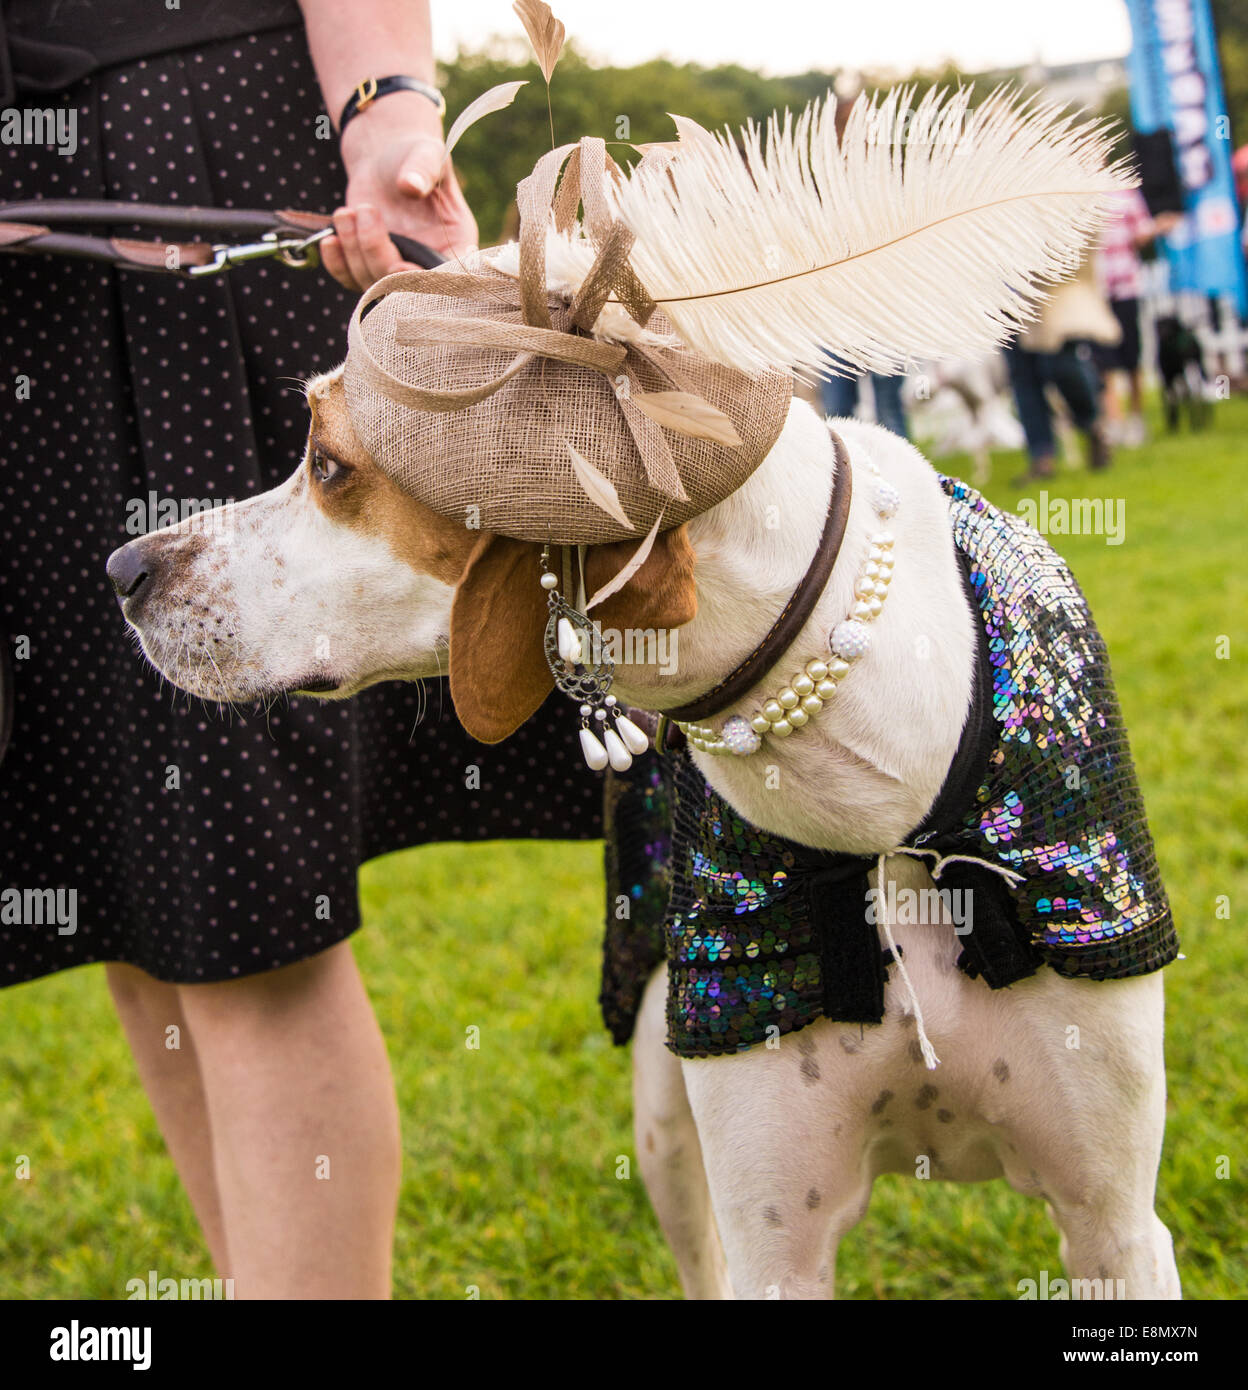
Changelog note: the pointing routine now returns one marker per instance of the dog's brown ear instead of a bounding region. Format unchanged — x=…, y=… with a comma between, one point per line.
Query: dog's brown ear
x=660, y=595
x=499, y=674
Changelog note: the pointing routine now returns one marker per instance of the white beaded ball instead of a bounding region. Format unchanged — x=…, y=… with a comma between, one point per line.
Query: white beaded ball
x=887, y=499
x=738, y=737
x=850, y=639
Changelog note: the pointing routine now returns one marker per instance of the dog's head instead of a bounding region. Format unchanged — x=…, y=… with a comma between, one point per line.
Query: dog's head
x=338, y=579
x=1167, y=327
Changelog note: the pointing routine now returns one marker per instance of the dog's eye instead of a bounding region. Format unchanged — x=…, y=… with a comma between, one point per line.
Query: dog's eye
x=323, y=467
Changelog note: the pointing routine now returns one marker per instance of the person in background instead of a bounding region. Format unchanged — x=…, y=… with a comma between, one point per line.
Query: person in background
x=1058, y=350
x=840, y=397
x=840, y=394
x=1120, y=276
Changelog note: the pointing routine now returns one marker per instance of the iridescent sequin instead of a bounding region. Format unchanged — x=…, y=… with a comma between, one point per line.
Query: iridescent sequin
x=730, y=906
x=741, y=944
x=1060, y=803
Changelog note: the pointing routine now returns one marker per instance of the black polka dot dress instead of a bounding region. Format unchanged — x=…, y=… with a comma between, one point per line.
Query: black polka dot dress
x=198, y=845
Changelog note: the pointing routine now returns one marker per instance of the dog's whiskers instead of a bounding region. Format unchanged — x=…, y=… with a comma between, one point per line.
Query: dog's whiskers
x=422, y=708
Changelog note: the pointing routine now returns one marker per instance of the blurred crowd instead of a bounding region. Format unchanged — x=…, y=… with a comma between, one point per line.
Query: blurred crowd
x=1071, y=385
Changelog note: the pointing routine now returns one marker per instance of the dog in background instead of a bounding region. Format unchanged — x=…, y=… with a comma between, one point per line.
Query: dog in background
x=965, y=407
x=1181, y=363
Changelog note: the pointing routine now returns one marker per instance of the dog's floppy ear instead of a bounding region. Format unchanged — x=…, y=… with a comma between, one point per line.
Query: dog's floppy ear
x=499, y=674
x=660, y=595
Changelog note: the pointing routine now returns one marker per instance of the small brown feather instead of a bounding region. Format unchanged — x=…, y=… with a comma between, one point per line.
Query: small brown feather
x=545, y=32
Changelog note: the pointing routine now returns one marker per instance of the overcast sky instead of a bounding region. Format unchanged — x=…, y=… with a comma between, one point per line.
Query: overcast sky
x=783, y=36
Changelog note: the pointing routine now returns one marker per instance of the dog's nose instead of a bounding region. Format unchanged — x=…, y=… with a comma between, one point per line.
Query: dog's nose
x=128, y=567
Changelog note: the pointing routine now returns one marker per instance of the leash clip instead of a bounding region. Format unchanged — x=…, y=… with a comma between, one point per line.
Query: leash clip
x=299, y=253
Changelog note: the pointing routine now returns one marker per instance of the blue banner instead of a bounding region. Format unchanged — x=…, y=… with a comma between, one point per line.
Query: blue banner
x=1176, y=85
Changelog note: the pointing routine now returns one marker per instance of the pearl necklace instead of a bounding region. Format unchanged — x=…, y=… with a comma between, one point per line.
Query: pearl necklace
x=798, y=702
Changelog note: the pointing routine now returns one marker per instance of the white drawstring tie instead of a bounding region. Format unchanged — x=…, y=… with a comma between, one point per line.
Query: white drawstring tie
x=930, y=1059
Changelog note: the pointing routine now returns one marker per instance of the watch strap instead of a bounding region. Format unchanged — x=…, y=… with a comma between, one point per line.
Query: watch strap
x=373, y=88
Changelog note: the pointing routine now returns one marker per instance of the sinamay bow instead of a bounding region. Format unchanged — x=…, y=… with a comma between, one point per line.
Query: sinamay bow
x=536, y=324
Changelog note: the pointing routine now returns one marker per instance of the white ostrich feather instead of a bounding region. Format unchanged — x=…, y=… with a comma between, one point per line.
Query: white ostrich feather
x=926, y=231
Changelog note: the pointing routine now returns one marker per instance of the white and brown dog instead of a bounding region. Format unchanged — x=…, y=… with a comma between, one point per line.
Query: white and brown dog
x=337, y=580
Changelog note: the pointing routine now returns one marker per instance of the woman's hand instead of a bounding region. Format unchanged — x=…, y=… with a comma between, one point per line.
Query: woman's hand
x=397, y=181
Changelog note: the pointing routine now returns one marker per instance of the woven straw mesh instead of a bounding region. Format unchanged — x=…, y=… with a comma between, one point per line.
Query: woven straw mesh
x=507, y=457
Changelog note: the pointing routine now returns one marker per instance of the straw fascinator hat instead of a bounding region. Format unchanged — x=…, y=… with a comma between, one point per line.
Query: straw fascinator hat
x=541, y=397
x=564, y=413
x=581, y=395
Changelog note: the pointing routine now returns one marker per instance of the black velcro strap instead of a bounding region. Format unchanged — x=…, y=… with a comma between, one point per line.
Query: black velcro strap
x=851, y=962
x=997, y=945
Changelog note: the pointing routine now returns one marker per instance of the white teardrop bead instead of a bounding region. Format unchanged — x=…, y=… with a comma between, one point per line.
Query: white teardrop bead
x=595, y=753
x=635, y=739
x=569, y=643
x=621, y=758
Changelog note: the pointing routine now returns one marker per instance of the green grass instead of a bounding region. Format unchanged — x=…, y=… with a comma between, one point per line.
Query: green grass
x=510, y=1181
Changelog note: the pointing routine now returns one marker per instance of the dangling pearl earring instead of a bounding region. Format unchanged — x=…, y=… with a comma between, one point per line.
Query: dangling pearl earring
x=573, y=652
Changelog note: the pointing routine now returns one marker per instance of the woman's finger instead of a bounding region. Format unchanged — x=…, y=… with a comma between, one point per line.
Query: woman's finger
x=345, y=224
x=335, y=263
x=381, y=256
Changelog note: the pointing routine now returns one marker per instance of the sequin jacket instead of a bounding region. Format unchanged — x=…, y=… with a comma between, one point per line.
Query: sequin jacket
x=760, y=932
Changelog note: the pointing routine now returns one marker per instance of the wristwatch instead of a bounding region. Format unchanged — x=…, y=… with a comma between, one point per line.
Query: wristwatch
x=372, y=88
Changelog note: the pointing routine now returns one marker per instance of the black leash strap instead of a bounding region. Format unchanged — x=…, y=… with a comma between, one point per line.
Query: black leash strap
x=68, y=227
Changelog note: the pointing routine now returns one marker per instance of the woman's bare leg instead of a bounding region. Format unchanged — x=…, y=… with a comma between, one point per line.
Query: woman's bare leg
x=305, y=1128
x=169, y=1070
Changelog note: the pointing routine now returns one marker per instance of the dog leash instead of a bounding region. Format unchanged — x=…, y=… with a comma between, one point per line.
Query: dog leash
x=51, y=226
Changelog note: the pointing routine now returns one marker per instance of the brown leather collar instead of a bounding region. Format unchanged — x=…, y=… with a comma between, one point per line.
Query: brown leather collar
x=739, y=682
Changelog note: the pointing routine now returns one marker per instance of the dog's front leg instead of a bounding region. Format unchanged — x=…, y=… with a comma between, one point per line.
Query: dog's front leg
x=669, y=1155
x=786, y=1176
